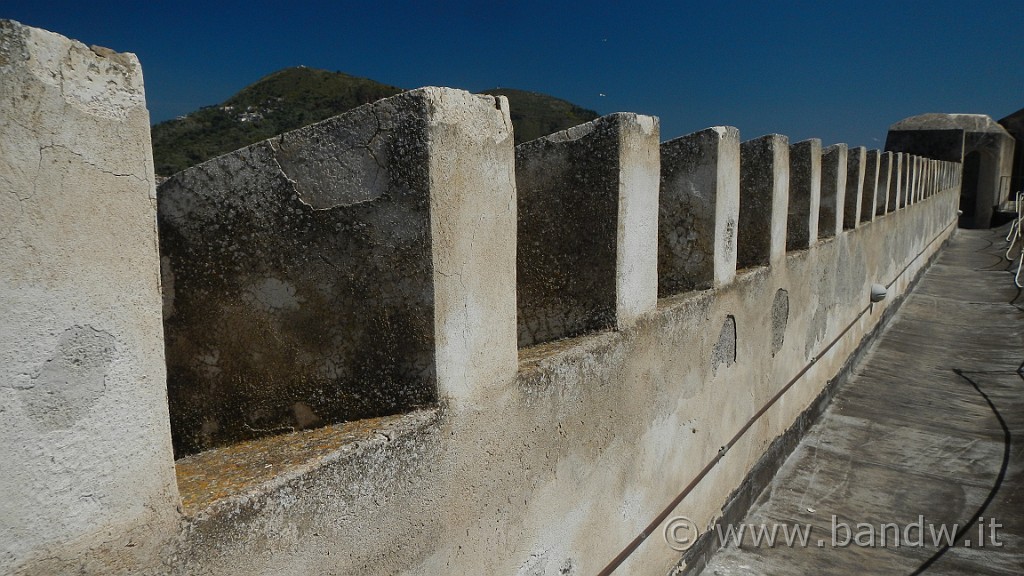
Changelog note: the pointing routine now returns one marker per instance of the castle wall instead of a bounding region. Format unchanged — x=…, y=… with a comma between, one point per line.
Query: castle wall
x=563, y=461
x=764, y=200
x=883, y=200
x=387, y=238
x=586, y=196
x=904, y=179
x=947, y=144
x=87, y=476
x=856, y=169
x=804, y=194
x=896, y=181
x=995, y=171
x=867, y=206
x=303, y=271
x=833, y=190
x=561, y=468
x=989, y=186
x=698, y=210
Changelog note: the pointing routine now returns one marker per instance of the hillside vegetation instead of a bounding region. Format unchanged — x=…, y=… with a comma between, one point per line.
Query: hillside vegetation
x=294, y=97
x=285, y=100
x=535, y=114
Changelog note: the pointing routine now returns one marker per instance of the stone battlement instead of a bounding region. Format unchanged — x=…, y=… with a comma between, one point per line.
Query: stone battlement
x=394, y=342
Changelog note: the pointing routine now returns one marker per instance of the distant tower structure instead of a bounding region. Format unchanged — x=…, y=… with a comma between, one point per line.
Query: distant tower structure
x=984, y=147
x=1014, y=124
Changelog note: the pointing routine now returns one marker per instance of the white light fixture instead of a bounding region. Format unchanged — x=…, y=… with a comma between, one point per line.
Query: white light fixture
x=878, y=292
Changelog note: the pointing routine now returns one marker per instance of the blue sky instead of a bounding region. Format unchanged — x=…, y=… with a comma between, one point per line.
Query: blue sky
x=840, y=71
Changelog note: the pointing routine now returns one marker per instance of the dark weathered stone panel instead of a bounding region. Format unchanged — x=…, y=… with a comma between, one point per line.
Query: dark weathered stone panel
x=298, y=274
x=698, y=210
x=855, y=164
x=895, y=181
x=804, y=194
x=867, y=207
x=572, y=189
x=940, y=144
x=833, y=190
x=764, y=197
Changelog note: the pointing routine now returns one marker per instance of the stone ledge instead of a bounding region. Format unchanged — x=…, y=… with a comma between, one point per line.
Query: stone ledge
x=219, y=477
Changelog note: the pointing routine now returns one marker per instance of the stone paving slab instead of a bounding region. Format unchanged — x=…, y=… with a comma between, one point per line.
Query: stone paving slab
x=910, y=436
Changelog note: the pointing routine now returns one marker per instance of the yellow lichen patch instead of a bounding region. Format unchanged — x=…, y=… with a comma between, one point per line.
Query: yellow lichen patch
x=215, y=474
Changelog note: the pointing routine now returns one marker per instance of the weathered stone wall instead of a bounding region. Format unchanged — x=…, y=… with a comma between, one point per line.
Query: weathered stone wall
x=698, y=210
x=804, y=194
x=764, y=200
x=299, y=272
x=945, y=145
x=581, y=194
x=897, y=180
x=556, y=466
x=833, y=190
x=995, y=170
x=903, y=162
x=883, y=200
x=984, y=147
x=87, y=477
x=545, y=459
x=867, y=207
x=558, y=470
x=856, y=170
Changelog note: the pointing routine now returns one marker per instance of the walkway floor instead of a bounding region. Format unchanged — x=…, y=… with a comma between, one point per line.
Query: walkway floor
x=928, y=434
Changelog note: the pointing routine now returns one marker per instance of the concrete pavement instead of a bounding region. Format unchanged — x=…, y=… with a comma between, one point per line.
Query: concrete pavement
x=927, y=436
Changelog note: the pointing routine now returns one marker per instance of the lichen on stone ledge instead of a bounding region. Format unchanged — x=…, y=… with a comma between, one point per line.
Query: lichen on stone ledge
x=255, y=466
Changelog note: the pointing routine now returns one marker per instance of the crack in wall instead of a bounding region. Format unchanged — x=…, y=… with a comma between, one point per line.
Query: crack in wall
x=318, y=195
x=87, y=162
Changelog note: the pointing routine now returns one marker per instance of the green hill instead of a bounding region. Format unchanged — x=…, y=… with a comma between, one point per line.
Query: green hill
x=285, y=100
x=535, y=114
x=294, y=97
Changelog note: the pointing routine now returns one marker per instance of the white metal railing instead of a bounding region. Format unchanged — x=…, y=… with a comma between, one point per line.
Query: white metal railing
x=1016, y=238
